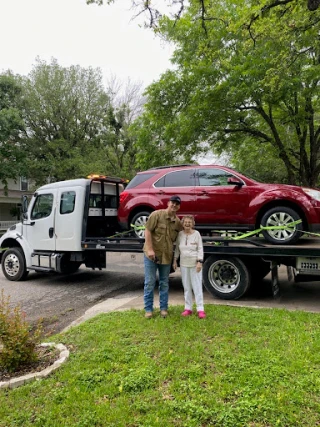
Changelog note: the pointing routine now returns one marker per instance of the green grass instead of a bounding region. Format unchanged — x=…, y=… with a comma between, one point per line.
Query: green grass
x=237, y=367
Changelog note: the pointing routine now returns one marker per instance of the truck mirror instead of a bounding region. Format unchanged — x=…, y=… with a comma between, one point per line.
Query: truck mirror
x=24, y=207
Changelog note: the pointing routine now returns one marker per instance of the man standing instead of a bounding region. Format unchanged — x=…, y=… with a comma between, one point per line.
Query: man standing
x=161, y=232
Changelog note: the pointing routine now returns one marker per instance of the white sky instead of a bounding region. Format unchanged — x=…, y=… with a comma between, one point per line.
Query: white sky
x=79, y=34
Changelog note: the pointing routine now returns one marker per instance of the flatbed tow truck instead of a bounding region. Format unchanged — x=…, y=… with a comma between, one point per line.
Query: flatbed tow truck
x=70, y=223
x=232, y=266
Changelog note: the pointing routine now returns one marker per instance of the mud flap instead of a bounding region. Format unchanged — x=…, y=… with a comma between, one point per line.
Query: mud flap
x=275, y=280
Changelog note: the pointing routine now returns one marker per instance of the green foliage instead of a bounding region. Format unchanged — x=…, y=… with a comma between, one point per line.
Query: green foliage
x=245, y=74
x=12, y=155
x=238, y=367
x=17, y=341
x=73, y=126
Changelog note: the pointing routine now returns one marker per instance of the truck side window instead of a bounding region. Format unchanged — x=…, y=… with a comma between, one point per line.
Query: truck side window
x=42, y=206
x=67, y=202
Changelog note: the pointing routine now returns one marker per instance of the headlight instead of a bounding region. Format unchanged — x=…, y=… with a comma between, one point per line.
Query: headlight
x=315, y=194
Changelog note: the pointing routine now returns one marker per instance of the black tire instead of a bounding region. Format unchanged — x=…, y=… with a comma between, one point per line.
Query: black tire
x=226, y=278
x=281, y=215
x=140, y=220
x=14, y=265
x=258, y=268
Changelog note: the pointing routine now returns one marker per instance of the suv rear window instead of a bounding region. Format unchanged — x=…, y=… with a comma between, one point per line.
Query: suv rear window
x=139, y=179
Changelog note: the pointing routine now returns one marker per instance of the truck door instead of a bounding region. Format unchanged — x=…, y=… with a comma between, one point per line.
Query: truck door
x=39, y=227
x=70, y=218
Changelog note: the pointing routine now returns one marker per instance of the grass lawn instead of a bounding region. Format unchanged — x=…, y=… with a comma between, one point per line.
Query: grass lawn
x=238, y=367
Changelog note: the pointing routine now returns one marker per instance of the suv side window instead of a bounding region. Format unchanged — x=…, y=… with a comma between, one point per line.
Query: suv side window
x=213, y=177
x=184, y=178
x=42, y=206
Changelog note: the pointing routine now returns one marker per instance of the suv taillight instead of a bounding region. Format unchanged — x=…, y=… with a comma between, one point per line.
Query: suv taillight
x=123, y=196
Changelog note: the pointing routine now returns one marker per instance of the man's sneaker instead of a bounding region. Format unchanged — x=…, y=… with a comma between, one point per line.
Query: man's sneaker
x=163, y=313
x=186, y=313
x=148, y=314
x=201, y=314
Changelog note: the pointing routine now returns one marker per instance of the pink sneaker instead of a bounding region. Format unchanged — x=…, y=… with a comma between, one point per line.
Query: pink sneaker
x=186, y=313
x=201, y=314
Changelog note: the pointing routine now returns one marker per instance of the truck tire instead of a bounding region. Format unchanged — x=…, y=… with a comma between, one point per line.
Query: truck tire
x=139, y=220
x=14, y=265
x=226, y=278
x=281, y=215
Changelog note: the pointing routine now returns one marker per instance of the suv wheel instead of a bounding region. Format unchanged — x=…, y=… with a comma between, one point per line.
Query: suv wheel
x=281, y=216
x=138, y=221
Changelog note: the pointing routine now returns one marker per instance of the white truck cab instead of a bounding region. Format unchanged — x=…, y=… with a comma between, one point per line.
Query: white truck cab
x=56, y=222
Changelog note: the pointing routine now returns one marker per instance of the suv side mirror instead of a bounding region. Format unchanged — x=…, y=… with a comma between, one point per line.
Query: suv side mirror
x=235, y=181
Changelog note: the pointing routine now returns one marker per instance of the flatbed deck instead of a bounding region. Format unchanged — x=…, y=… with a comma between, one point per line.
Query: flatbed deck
x=308, y=246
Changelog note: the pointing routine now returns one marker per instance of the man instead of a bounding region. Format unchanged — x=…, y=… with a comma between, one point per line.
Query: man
x=161, y=232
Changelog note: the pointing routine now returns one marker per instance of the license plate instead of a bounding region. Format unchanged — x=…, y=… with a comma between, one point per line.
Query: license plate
x=308, y=263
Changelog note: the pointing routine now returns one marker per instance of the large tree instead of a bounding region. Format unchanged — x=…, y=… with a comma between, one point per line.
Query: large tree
x=241, y=78
x=73, y=125
x=12, y=154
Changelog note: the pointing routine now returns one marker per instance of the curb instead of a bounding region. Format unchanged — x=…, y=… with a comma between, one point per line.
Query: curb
x=16, y=382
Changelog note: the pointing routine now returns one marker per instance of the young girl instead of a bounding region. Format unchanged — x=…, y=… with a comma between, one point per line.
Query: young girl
x=190, y=249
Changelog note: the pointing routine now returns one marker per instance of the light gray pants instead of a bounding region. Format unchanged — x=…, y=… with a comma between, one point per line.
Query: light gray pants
x=192, y=281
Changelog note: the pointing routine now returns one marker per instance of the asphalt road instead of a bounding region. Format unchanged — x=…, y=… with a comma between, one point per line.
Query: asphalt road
x=61, y=299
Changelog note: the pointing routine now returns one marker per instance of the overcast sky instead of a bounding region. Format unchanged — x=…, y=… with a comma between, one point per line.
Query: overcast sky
x=79, y=34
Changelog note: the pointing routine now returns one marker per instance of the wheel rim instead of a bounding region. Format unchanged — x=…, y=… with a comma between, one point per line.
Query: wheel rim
x=12, y=265
x=140, y=222
x=224, y=276
x=280, y=218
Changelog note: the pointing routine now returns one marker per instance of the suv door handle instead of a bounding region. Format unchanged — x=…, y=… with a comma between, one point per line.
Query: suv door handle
x=51, y=230
x=203, y=193
x=160, y=192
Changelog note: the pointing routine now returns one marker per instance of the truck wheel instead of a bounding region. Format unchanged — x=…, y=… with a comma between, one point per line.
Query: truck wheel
x=281, y=216
x=139, y=220
x=226, y=278
x=14, y=265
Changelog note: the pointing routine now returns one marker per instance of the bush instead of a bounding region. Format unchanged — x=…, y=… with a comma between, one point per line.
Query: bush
x=17, y=339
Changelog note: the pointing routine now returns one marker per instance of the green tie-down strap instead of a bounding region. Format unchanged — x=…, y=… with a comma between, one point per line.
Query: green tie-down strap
x=142, y=227
x=288, y=226
x=240, y=236
x=138, y=227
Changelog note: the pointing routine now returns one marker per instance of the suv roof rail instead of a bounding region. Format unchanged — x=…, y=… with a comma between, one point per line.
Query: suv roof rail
x=172, y=166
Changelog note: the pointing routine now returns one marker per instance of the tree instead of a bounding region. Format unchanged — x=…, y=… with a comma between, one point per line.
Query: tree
x=74, y=126
x=120, y=154
x=12, y=153
x=153, y=12
x=236, y=84
x=64, y=109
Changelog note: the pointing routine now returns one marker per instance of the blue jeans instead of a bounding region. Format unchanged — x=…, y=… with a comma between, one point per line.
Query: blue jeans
x=150, y=273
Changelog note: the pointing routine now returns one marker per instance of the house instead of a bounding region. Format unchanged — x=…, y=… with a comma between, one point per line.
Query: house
x=10, y=202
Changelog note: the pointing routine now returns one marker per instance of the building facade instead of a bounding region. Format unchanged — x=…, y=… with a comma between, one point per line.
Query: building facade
x=10, y=201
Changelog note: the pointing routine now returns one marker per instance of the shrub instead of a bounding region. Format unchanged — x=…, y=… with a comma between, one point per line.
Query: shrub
x=17, y=339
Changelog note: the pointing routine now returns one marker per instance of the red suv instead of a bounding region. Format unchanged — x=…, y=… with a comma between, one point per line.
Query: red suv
x=221, y=199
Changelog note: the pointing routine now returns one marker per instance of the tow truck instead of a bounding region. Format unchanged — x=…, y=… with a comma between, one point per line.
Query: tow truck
x=70, y=223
